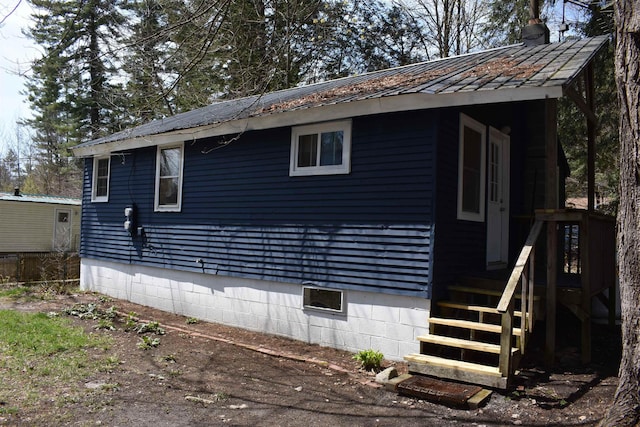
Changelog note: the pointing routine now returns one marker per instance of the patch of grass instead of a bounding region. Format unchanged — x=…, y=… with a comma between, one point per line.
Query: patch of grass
x=109, y=364
x=11, y=410
x=41, y=353
x=192, y=321
x=370, y=360
x=110, y=387
x=15, y=292
x=25, y=335
x=105, y=324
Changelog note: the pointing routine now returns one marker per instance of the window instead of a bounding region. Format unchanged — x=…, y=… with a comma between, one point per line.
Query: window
x=323, y=299
x=322, y=149
x=100, y=185
x=471, y=170
x=169, y=178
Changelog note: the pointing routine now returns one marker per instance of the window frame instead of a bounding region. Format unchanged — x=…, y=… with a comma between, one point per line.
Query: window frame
x=344, y=167
x=95, y=198
x=306, y=303
x=474, y=125
x=177, y=207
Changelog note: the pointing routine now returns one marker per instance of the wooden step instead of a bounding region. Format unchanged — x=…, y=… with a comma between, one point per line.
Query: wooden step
x=471, y=307
x=466, y=324
x=453, y=364
x=497, y=282
x=464, y=344
x=474, y=373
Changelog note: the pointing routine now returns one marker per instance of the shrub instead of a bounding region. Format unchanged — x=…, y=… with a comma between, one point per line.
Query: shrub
x=370, y=359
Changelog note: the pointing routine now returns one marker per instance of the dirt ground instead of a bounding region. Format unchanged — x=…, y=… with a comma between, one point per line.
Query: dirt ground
x=206, y=374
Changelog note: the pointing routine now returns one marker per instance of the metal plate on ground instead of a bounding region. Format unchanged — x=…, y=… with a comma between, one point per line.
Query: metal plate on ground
x=437, y=391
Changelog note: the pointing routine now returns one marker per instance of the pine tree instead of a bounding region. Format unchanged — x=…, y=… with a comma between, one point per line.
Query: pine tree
x=148, y=48
x=355, y=37
x=68, y=89
x=192, y=78
x=7, y=171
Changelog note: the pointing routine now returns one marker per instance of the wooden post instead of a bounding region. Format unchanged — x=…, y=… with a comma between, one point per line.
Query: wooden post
x=552, y=274
x=532, y=284
x=585, y=279
x=523, y=308
x=551, y=154
x=551, y=202
x=505, y=340
x=19, y=263
x=591, y=140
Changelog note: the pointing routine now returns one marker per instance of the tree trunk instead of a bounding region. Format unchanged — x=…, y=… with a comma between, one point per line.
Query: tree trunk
x=625, y=410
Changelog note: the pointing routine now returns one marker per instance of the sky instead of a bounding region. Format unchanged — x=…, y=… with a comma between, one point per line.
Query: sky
x=16, y=51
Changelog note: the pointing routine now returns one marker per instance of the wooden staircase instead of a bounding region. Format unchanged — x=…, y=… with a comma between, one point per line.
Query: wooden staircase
x=479, y=337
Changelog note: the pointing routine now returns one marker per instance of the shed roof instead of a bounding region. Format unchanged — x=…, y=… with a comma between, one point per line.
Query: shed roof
x=512, y=73
x=36, y=198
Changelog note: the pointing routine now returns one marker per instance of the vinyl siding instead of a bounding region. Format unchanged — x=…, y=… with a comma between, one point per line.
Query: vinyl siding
x=29, y=226
x=244, y=216
x=460, y=246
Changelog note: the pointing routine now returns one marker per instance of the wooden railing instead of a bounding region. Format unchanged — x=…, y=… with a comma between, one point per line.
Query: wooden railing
x=587, y=250
x=523, y=272
x=588, y=247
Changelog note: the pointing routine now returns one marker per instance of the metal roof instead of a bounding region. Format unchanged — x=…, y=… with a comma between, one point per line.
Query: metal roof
x=512, y=73
x=36, y=198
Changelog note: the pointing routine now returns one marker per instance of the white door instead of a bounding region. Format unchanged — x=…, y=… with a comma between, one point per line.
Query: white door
x=62, y=230
x=498, y=200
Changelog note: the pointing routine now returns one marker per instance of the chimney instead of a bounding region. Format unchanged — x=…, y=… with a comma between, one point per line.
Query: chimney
x=535, y=32
x=16, y=192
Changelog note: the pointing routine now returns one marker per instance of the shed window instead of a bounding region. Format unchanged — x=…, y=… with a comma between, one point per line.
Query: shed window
x=471, y=170
x=169, y=178
x=323, y=299
x=100, y=185
x=322, y=149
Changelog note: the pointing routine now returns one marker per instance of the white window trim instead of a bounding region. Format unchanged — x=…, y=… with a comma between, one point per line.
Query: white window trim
x=466, y=121
x=94, y=180
x=343, y=300
x=178, y=206
x=344, y=168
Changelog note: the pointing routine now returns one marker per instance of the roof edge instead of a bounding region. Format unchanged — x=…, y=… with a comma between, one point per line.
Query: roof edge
x=389, y=104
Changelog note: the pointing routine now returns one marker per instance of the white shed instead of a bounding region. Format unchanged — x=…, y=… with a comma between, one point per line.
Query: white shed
x=36, y=223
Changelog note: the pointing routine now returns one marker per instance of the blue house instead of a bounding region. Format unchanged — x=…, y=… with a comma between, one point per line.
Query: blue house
x=337, y=213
